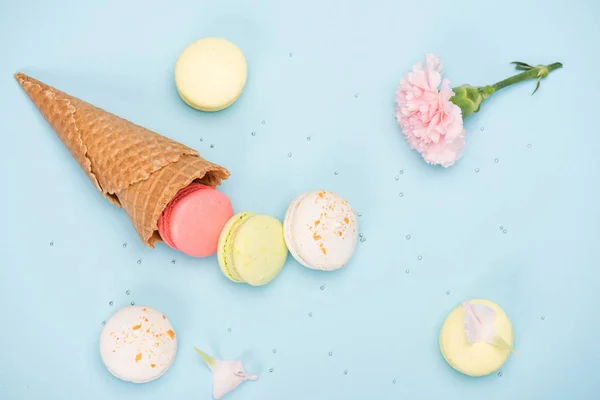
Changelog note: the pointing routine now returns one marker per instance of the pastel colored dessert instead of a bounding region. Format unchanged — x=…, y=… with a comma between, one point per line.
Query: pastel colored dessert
x=138, y=344
x=210, y=74
x=252, y=249
x=476, y=338
x=132, y=167
x=321, y=230
x=193, y=220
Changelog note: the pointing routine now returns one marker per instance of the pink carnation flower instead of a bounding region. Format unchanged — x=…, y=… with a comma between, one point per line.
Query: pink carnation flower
x=430, y=123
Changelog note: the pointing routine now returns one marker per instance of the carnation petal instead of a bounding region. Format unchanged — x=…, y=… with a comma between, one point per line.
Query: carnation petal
x=430, y=123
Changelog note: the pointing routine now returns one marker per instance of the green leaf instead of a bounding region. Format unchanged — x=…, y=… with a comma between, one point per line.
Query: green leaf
x=522, y=66
x=537, y=85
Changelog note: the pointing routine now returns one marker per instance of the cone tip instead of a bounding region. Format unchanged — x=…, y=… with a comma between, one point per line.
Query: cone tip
x=20, y=77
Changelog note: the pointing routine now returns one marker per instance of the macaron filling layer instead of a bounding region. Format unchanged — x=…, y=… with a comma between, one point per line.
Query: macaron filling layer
x=288, y=222
x=225, y=255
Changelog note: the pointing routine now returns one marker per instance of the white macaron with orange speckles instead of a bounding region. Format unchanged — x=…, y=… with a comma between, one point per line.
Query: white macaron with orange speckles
x=138, y=344
x=320, y=230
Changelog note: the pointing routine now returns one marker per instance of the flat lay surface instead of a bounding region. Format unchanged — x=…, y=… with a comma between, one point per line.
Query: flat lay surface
x=514, y=221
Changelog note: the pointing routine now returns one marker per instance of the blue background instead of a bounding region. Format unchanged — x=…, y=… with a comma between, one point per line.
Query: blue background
x=328, y=70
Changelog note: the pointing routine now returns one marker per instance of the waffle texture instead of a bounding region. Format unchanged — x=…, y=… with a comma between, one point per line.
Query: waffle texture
x=133, y=167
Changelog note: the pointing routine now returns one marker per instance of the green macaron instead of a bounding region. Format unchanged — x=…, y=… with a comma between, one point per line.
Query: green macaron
x=252, y=249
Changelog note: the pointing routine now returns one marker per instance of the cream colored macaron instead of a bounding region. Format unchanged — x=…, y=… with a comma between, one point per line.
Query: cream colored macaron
x=138, y=344
x=480, y=358
x=320, y=230
x=210, y=74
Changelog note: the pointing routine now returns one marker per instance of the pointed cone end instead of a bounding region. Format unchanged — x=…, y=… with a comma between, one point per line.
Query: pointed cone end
x=25, y=81
x=20, y=77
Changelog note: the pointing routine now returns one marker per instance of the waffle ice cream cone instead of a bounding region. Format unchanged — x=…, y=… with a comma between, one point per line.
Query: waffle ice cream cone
x=133, y=167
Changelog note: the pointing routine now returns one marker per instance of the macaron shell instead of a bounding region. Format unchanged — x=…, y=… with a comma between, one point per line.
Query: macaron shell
x=287, y=228
x=210, y=74
x=138, y=344
x=225, y=246
x=323, y=230
x=193, y=222
x=259, y=250
x=165, y=217
x=477, y=359
x=206, y=108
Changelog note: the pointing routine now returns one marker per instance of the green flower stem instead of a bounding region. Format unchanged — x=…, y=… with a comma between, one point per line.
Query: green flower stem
x=469, y=98
x=540, y=71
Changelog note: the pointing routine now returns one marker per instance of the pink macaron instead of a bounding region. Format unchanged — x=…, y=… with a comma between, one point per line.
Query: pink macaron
x=193, y=220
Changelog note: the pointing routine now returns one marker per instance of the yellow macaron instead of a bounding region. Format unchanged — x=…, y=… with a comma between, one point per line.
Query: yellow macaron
x=251, y=248
x=210, y=74
x=479, y=358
